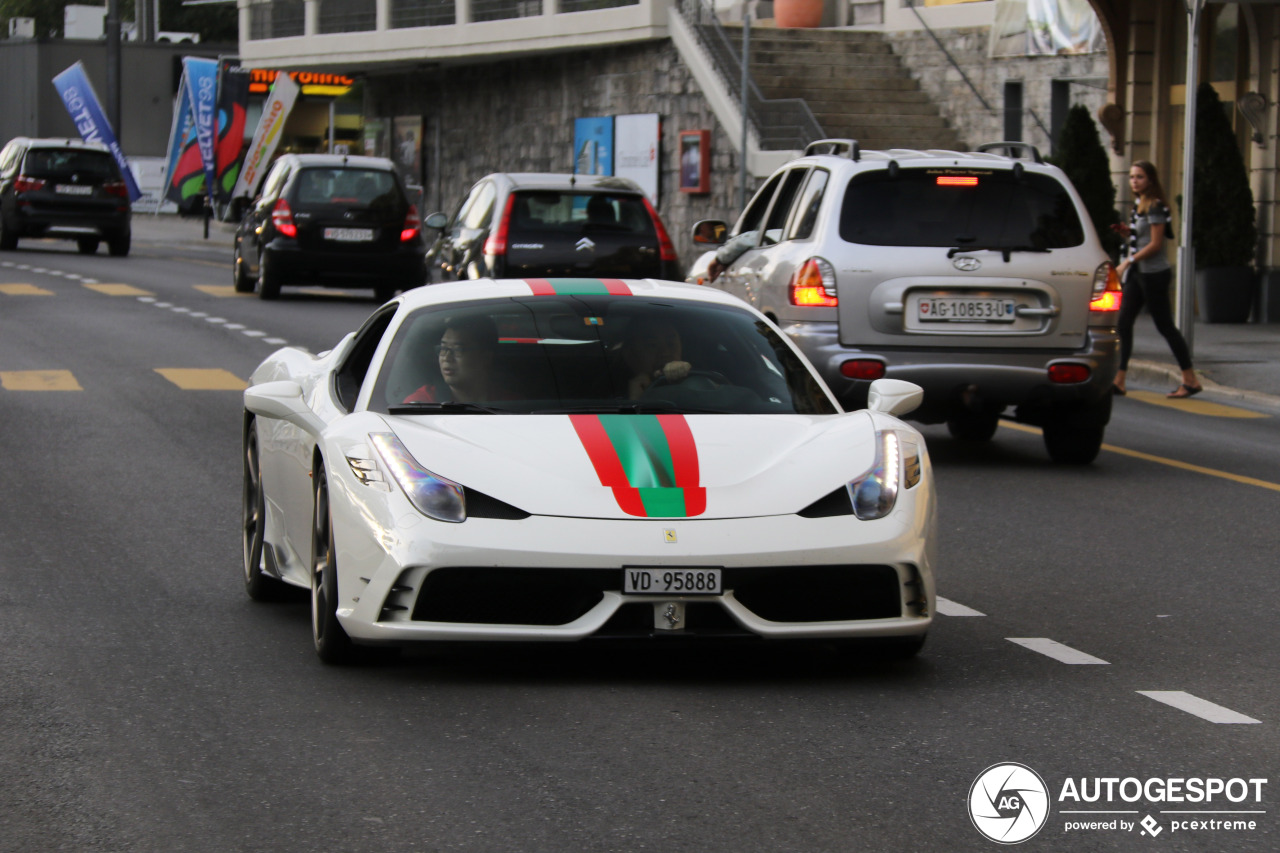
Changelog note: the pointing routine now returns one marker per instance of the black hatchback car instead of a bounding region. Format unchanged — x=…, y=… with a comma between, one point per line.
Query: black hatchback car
x=63, y=188
x=536, y=225
x=334, y=220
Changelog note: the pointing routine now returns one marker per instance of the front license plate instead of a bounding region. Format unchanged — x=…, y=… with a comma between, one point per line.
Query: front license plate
x=72, y=189
x=672, y=581
x=948, y=309
x=349, y=235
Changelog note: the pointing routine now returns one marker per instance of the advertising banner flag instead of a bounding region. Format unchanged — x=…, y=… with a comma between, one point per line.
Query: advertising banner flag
x=201, y=76
x=86, y=112
x=267, y=135
x=183, y=171
x=233, y=104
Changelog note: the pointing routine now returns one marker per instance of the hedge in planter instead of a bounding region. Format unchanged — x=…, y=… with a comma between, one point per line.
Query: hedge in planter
x=1079, y=153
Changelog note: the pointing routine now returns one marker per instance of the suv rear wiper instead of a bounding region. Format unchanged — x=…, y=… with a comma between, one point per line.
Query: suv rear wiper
x=1006, y=251
x=448, y=407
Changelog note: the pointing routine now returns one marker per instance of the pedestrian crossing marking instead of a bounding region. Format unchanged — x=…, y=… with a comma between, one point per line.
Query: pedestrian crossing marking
x=221, y=291
x=24, y=290
x=118, y=289
x=1195, y=406
x=39, y=380
x=202, y=379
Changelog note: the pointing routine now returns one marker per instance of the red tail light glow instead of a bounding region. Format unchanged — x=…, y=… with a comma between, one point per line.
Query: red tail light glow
x=412, y=225
x=863, y=368
x=1069, y=374
x=497, y=242
x=666, y=249
x=23, y=184
x=116, y=188
x=813, y=285
x=957, y=181
x=1106, y=289
x=282, y=219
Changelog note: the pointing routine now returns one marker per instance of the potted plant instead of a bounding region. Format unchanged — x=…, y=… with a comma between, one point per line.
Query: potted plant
x=798, y=13
x=1079, y=153
x=1223, y=226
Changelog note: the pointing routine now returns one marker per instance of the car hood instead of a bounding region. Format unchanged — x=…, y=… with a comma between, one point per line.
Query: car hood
x=644, y=466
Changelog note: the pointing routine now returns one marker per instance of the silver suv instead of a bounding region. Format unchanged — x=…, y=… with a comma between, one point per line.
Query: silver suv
x=977, y=276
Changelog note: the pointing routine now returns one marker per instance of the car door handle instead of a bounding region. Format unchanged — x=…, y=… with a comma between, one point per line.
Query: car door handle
x=1027, y=311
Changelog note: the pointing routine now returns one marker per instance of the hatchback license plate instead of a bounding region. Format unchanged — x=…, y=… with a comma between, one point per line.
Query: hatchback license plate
x=349, y=235
x=965, y=310
x=72, y=189
x=672, y=581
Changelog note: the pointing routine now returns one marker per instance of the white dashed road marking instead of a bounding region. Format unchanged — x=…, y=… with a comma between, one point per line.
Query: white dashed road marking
x=1055, y=650
x=947, y=607
x=1202, y=708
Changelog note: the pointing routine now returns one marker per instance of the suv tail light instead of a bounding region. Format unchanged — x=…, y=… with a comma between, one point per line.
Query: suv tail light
x=666, y=249
x=412, y=225
x=1106, y=289
x=23, y=184
x=1069, y=373
x=813, y=285
x=282, y=219
x=863, y=368
x=116, y=188
x=497, y=242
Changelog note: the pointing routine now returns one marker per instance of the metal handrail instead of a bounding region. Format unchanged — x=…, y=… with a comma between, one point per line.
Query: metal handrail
x=950, y=58
x=780, y=123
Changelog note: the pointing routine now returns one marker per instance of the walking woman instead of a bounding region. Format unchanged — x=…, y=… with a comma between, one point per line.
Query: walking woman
x=1146, y=275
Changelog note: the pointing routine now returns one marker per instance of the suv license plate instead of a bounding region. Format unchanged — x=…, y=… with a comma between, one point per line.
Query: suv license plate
x=349, y=235
x=72, y=189
x=968, y=310
x=672, y=581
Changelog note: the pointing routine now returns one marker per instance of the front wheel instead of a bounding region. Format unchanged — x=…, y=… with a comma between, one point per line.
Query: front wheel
x=331, y=641
x=1073, y=445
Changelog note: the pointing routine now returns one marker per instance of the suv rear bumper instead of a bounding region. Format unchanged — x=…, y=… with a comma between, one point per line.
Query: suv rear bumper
x=403, y=267
x=37, y=220
x=969, y=379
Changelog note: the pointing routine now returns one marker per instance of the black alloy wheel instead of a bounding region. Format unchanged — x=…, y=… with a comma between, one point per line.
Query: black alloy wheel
x=331, y=641
x=257, y=583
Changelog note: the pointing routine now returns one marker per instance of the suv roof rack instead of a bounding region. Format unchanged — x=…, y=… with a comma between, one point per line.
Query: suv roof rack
x=837, y=147
x=1017, y=150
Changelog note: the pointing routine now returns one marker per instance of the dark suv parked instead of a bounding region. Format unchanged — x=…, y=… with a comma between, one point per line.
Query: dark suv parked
x=63, y=188
x=333, y=220
x=554, y=226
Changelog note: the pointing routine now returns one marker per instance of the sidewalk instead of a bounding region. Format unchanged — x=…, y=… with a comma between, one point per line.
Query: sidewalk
x=168, y=228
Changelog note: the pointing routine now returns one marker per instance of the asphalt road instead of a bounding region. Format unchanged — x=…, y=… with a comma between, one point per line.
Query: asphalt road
x=148, y=705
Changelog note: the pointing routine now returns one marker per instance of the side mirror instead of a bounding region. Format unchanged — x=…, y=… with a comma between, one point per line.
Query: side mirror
x=710, y=232
x=283, y=401
x=436, y=220
x=894, y=397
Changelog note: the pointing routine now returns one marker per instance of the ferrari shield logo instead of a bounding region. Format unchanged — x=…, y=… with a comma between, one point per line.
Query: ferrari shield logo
x=669, y=535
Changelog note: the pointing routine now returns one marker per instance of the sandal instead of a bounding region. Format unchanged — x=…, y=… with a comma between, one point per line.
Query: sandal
x=1184, y=391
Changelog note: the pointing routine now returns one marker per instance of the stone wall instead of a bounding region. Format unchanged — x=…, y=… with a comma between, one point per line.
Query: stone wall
x=517, y=115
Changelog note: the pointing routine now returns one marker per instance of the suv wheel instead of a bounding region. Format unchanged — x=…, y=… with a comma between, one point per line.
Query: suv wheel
x=87, y=245
x=118, y=243
x=1073, y=445
x=268, y=280
x=968, y=425
x=8, y=237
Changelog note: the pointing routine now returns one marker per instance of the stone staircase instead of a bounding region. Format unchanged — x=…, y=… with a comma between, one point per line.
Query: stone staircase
x=853, y=82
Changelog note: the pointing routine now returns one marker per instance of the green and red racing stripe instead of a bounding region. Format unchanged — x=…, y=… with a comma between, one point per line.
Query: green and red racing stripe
x=649, y=461
x=578, y=287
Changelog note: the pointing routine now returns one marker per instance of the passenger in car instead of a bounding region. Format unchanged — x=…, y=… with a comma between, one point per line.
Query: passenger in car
x=651, y=349
x=465, y=356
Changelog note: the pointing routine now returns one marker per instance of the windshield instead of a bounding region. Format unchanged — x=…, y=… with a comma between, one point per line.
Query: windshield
x=66, y=162
x=557, y=354
x=978, y=208
x=346, y=186
x=545, y=214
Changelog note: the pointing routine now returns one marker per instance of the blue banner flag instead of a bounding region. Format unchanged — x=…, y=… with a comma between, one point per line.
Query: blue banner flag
x=202, y=89
x=86, y=112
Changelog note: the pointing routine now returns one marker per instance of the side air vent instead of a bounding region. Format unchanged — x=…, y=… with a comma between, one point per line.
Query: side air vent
x=480, y=505
x=836, y=503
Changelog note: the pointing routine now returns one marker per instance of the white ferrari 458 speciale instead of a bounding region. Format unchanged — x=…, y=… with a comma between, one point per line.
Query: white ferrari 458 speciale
x=567, y=459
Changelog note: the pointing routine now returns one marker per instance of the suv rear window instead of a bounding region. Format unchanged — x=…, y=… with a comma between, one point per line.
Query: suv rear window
x=65, y=162
x=573, y=213
x=366, y=187
x=959, y=208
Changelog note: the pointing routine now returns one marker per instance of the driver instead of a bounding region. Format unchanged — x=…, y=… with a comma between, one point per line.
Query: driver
x=651, y=350
x=465, y=354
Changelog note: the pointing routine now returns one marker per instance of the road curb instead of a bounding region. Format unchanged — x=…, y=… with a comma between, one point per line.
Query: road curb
x=1156, y=373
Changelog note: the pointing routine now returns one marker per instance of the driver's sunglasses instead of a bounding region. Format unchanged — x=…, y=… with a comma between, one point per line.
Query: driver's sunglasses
x=454, y=350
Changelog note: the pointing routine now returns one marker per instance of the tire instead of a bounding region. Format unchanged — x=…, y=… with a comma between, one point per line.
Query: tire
x=239, y=275
x=967, y=425
x=118, y=244
x=87, y=245
x=257, y=583
x=8, y=237
x=1073, y=445
x=331, y=641
x=268, y=279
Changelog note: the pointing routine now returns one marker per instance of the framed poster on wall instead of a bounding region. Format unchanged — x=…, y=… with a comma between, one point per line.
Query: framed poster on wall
x=593, y=146
x=695, y=161
x=406, y=148
x=636, y=139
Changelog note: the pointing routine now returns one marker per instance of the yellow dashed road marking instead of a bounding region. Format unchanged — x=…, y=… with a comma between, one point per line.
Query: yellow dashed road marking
x=1164, y=460
x=119, y=290
x=1195, y=406
x=24, y=290
x=219, y=290
x=39, y=380
x=202, y=379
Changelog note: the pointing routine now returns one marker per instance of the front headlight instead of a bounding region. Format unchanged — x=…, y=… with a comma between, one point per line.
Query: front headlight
x=896, y=466
x=432, y=495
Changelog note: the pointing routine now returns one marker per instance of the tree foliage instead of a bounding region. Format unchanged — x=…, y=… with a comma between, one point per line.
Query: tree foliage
x=215, y=23
x=1223, y=223
x=1080, y=154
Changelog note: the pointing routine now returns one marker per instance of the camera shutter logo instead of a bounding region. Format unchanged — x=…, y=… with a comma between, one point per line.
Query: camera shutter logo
x=1008, y=803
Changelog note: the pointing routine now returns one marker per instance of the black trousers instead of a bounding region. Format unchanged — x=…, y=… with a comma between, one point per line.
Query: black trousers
x=1151, y=289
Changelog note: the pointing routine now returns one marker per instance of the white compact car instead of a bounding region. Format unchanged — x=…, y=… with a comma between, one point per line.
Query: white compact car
x=576, y=458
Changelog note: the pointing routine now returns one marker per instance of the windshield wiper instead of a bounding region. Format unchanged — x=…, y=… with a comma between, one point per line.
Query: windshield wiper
x=447, y=407
x=1006, y=251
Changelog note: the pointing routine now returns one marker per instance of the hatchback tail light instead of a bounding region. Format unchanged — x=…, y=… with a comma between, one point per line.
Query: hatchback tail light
x=813, y=285
x=412, y=225
x=666, y=249
x=1106, y=289
x=282, y=219
x=497, y=242
x=23, y=184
